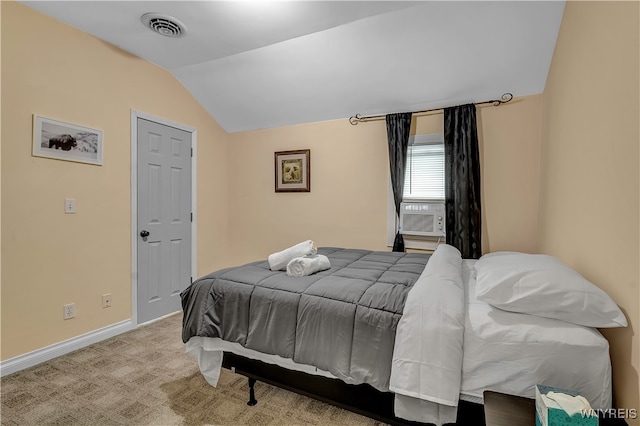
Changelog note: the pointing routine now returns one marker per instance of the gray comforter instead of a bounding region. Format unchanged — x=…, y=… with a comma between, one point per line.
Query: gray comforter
x=342, y=320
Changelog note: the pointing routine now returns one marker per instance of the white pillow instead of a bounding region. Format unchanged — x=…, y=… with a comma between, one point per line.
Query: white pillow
x=542, y=285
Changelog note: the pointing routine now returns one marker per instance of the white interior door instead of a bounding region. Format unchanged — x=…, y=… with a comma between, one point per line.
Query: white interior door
x=164, y=218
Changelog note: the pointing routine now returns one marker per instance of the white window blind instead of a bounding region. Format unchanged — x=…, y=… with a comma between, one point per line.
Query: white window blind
x=424, y=172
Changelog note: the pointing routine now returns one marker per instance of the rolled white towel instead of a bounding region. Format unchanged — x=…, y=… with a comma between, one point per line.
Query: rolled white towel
x=303, y=266
x=278, y=261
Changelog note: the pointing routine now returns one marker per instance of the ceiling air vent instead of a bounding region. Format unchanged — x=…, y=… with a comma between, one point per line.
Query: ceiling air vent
x=165, y=25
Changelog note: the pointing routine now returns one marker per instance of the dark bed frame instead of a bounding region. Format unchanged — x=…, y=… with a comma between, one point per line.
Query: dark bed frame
x=362, y=399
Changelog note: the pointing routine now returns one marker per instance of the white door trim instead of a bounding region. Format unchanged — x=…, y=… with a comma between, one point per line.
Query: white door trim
x=134, y=201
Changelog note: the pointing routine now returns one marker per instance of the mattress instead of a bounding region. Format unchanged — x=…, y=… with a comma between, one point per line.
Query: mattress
x=510, y=352
x=503, y=351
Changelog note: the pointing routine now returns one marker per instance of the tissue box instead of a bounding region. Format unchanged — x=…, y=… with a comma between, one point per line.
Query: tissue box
x=553, y=415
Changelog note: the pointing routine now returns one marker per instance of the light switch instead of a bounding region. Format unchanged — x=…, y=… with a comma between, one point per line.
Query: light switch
x=69, y=205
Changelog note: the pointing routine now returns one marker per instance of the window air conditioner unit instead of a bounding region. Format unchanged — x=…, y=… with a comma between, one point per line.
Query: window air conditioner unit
x=422, y=219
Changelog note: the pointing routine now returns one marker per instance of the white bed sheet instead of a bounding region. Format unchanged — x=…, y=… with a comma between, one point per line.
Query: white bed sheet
x=426, y=368
x=510, y=352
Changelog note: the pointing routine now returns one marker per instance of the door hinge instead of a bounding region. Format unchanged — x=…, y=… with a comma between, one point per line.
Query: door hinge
x=191, y=278
x=192, y=152
x=191, y=217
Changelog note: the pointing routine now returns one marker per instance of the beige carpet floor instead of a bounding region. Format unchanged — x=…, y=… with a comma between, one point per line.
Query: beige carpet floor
x=144, y=377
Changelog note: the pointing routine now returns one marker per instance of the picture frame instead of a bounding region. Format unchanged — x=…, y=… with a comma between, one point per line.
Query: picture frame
x=293, y=171
x=66, y=141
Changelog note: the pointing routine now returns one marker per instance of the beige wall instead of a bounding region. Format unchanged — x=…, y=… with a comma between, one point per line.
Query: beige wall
x=49, y=258
x=590, y=184
x=347, y=204
x=510, y=159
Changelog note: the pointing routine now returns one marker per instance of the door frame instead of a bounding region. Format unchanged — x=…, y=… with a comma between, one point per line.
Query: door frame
x=135, y=115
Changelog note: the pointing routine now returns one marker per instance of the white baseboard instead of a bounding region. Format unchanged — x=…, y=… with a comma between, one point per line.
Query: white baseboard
x=161, y=318
x=38, y=356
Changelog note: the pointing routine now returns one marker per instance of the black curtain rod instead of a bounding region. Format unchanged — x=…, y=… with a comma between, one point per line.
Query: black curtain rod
x=496, y=102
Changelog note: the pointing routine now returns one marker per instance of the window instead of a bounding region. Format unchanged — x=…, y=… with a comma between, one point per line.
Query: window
x=424, y=181
x=424, y=171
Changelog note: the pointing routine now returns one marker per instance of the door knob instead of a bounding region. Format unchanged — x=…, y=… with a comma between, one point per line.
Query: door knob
x=144, y=233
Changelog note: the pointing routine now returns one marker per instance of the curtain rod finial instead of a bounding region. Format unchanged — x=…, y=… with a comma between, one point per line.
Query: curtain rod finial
x=355, y=119
x=504, y=99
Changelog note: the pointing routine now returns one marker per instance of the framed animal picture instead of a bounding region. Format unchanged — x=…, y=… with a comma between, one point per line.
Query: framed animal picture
x=66, y=141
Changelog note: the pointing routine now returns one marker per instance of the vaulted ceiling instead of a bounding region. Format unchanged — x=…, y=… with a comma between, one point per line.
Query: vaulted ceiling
x=262, y=64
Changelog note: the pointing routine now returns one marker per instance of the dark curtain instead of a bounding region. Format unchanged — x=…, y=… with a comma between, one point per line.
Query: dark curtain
x=398, y=126
x=462, y=180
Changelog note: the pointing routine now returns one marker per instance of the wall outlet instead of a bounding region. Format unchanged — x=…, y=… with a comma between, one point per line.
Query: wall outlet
x=69, y=311
x=106, y=300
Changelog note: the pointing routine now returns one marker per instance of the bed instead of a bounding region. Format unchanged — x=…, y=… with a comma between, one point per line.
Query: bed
x=405, y=331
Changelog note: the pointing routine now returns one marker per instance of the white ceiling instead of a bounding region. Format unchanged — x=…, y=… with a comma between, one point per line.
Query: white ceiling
x=261, y=64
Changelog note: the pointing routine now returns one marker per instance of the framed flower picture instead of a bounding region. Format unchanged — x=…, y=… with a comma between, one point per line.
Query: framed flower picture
x=293, y=171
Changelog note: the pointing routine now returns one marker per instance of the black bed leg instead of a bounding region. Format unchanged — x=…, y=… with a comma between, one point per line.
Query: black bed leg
x=252, y=395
